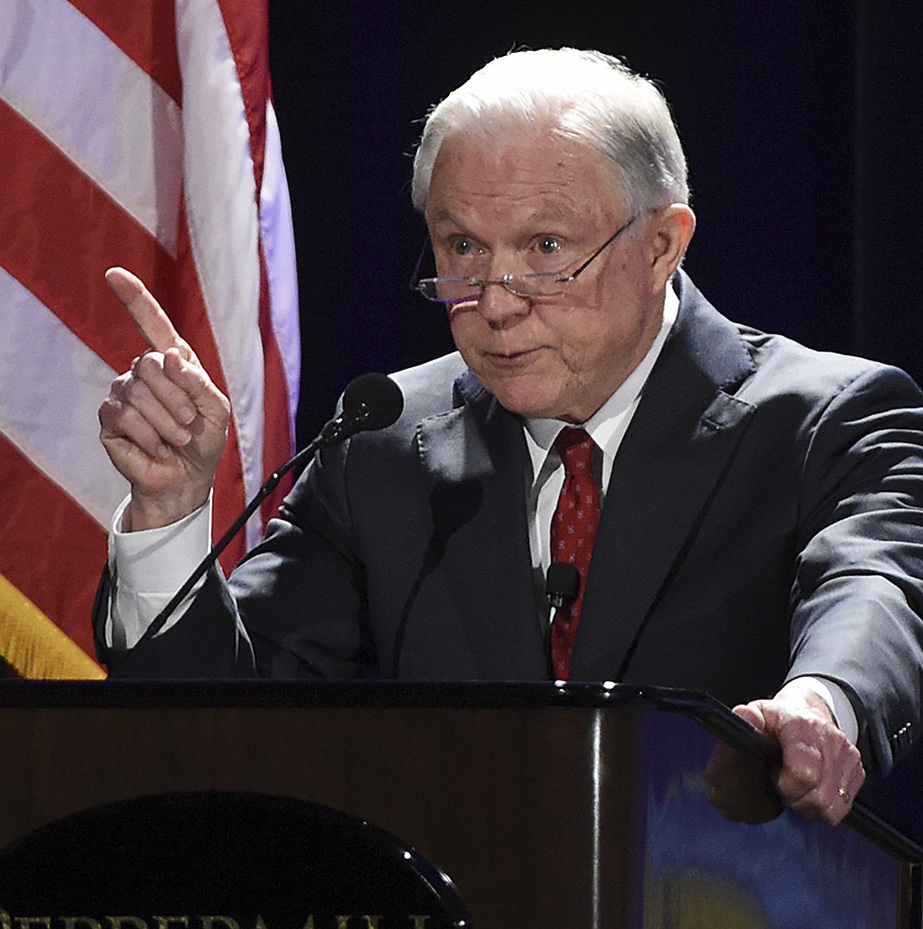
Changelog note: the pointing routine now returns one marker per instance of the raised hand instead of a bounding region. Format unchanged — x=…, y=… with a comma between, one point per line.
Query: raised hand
x=164, y=423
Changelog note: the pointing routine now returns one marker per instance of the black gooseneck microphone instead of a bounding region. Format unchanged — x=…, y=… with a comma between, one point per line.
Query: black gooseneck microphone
x=371, y=401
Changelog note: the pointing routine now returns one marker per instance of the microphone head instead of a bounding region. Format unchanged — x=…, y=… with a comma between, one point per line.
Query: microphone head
x=562, y=584
x=373, y=400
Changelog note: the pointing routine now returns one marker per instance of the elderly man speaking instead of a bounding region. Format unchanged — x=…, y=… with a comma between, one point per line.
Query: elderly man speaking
x=739, y=514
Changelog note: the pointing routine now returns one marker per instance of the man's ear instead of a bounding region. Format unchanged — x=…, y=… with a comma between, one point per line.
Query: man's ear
x=671, y=230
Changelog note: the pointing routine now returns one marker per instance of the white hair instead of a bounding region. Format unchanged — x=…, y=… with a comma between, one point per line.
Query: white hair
x=584, y=95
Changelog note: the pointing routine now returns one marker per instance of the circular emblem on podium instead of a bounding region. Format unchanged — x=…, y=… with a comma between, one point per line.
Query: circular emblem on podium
x=221, y=860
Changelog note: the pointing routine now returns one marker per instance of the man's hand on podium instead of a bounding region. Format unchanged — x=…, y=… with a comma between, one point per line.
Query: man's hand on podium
x=821, y=769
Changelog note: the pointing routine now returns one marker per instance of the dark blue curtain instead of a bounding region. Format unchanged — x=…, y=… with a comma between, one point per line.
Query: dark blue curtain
x=803, y=126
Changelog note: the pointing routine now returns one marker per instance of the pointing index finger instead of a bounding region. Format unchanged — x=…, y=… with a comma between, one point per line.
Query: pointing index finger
x=148, y=315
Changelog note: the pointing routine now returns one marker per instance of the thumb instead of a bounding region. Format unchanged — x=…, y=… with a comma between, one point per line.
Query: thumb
x=753, y=714
x=194, y=380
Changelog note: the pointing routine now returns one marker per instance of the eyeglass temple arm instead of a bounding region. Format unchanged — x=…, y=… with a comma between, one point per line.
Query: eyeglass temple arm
x=601, y=249
x=415, y=274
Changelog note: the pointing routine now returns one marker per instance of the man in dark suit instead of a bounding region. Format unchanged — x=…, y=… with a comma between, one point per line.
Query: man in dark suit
x=760, y=533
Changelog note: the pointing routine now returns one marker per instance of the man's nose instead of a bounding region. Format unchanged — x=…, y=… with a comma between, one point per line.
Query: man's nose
x=499, y=305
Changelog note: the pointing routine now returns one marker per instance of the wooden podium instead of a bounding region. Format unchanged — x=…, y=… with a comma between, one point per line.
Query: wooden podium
x=573, y=806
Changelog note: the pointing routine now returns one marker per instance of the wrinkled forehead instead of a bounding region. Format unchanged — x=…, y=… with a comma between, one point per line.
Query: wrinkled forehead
x=501, y=157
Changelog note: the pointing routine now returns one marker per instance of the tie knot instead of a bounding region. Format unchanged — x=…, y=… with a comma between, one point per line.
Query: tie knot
x=576, y=450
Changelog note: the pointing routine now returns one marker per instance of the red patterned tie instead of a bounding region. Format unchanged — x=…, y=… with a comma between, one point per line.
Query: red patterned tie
x=573, y=532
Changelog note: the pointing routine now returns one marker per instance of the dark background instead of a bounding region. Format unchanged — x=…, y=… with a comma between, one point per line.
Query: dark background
x=802, y=123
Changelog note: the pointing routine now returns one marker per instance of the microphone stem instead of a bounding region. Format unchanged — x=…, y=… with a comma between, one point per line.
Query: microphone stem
x=346, y=424
x=206, y=563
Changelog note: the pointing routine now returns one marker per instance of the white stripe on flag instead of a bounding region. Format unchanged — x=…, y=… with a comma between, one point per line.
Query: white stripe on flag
x=65, y=76
x=222, y=216
x=51, y=415
x=279, y=249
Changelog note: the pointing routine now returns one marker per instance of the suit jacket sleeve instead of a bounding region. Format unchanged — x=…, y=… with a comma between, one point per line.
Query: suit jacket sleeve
x=209, y=643
x=858, y=591
x=296, y=597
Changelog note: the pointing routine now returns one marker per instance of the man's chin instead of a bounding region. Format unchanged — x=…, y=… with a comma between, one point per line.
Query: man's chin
x=533, y=394
x=524, y=401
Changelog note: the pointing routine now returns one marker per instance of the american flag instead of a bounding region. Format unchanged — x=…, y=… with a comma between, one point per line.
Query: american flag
x=137, y=134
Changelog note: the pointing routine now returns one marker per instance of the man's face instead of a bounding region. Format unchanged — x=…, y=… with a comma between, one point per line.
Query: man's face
x=536, y=203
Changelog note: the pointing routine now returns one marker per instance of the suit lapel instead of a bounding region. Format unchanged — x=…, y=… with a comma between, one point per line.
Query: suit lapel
x=476, y=460
x=680, y=442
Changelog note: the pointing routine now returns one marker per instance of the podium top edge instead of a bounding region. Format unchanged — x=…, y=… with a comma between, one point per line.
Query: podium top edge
x=255, y=693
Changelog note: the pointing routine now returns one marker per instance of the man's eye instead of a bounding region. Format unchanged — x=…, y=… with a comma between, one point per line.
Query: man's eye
x=463, y=247
x=548, y=245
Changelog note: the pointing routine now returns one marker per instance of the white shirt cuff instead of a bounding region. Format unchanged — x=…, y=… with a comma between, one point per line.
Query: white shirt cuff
x=837, y=701
x=147, y=569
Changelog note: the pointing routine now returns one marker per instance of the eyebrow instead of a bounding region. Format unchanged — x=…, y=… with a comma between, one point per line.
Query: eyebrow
x=551, y=213
x=444, y=214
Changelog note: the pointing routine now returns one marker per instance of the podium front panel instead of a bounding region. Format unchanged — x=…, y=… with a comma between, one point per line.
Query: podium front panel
x=544, y=806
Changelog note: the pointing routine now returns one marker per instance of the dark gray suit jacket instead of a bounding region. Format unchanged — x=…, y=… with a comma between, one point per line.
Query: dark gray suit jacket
x=764, y=519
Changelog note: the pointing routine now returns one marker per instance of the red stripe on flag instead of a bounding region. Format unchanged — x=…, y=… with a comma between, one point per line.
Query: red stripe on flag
x=247, y=26
x=145, y=31
x=59, y=233
x=54, y=551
